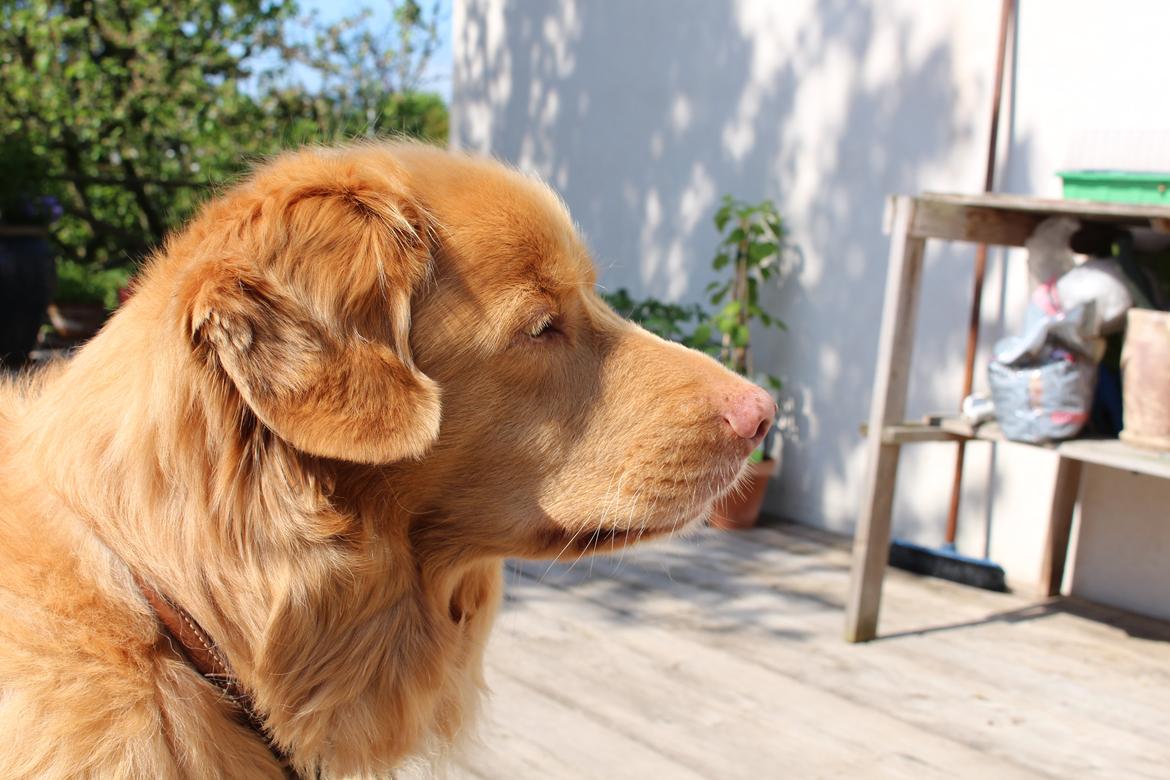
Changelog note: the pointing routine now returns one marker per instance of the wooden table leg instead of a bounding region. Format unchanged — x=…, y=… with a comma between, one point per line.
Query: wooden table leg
x=871, y=541
x=1064, y=501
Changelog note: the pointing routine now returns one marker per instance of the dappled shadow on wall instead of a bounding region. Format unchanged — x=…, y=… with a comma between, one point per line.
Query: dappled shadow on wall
x=644, y=114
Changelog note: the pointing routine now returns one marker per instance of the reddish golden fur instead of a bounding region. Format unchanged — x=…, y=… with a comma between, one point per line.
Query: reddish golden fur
x=258, y=432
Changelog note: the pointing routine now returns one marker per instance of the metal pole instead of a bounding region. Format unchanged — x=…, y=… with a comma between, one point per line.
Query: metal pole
x=1007, y=11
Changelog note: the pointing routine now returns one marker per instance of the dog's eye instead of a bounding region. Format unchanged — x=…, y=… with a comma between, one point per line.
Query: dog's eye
x=541, y=328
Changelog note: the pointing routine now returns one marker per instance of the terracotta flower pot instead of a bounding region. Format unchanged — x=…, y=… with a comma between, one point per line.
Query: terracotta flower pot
x=740, y=508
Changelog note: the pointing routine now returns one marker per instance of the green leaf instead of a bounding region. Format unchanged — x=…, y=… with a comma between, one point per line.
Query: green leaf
x=741, y=336
x=762, y=250
x=723, y=215
x=774, y=382
x=657, y=325
x=721, y=260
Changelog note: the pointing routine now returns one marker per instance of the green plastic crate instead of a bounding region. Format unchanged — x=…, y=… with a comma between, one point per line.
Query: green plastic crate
x=1117, y=186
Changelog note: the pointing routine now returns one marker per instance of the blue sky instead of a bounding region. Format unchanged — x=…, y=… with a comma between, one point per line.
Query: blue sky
x=438, y=74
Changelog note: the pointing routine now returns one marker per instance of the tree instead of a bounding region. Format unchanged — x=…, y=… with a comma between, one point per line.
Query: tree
x=372, y=75
x=134, y=112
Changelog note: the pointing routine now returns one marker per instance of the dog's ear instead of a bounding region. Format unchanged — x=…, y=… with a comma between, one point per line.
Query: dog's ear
x=309, y=317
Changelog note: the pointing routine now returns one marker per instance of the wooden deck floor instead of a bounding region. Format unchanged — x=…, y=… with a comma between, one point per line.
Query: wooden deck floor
x=721, y=656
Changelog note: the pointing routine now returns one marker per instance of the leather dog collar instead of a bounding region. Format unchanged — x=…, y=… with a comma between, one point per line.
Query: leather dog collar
x=193, y=643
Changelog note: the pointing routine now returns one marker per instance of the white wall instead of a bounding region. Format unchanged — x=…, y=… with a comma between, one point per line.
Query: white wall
x=644, y=113
x=1085, y=98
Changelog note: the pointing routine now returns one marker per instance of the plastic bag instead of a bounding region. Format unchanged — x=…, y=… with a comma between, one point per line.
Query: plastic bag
x=1043, y=380
x=1075, y=330
x=1102, y=283
x=1049, y=253
x=1045, y=398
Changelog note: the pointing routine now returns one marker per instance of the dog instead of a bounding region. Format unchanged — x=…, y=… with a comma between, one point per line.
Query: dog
x=337, y=400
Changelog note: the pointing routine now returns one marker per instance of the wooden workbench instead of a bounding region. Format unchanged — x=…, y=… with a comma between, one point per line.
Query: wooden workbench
x=1006, y=220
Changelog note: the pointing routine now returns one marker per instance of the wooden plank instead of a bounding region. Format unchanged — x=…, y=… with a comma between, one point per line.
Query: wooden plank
x=691, y=699
x=991, y=671
x=682, y=712
x=916, y=433
x=540, y=704
x=956, y=222
x=1095, y=211
x=912, y=433
x=896, y=343
x=1116, y=454
x=988, y=431
x=1009, y=220
x=1064, y=500
x=1113, y=453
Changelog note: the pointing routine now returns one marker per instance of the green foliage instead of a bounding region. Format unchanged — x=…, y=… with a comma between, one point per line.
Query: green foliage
x=23, y=199
x=752, y=244
x=131, y=112
x=416, y=114
x=368, y=77
x=685, y=324
x=77, y=283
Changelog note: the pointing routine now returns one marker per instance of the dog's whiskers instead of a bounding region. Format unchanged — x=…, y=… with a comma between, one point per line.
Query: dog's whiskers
x=568, y=544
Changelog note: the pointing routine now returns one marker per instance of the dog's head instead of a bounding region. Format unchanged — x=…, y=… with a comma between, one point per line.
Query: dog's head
x=433, y=316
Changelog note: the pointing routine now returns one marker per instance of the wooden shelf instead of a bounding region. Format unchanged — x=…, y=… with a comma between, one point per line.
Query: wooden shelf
x=1097, y=211
x=1006, y=220
x=1116, y=454
x=1113, y=453
x=1009, y=220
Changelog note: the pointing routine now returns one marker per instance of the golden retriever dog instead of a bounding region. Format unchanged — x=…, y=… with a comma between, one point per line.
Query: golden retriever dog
x=337, y=401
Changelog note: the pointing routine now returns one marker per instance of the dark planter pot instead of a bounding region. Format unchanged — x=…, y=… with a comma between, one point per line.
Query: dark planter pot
x=27, y=276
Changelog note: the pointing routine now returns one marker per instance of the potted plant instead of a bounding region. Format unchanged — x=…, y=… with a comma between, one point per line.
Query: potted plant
x=752, y=246
x=85, y=295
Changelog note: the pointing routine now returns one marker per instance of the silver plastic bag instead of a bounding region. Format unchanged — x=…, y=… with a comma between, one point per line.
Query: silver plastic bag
x=1044, y=398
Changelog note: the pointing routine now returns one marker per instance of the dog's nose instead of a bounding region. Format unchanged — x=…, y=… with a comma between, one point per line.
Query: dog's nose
x=750, y=414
